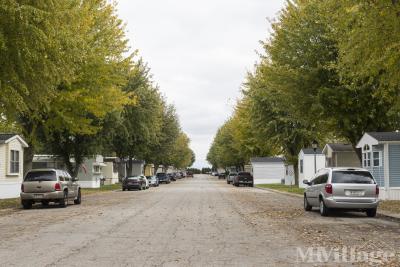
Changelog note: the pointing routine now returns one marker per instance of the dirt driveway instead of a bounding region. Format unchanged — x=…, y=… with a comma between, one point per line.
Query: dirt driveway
x=192, y=222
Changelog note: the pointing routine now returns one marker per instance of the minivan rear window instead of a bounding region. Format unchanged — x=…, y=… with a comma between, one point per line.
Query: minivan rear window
x=352, y=177
x=41, y=176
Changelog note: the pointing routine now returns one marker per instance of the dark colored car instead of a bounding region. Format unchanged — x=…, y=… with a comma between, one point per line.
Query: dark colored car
x=182, y=174
x=189, y=174
x=163, y=178
x=133, y=182
x=221, y=175
x=244, y=178
x=172, y=176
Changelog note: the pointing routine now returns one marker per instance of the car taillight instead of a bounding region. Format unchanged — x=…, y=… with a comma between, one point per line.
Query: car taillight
x=377, y=190
x=22, y=188
x=57, y=187
x=328, y=188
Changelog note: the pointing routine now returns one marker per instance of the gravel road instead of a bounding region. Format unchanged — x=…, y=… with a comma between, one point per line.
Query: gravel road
x=191, y=222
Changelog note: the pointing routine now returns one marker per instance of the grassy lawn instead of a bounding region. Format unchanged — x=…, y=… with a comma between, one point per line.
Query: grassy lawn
x=11, y=203
x=285, y=188
x=390, y=206
x=103, y=188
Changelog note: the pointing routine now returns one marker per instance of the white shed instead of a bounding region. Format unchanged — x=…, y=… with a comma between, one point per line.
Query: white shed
x=11, y=164
x=268, y=170
x=307, y=165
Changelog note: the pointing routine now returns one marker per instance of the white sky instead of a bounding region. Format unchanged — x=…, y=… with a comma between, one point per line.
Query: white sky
x=199, y=53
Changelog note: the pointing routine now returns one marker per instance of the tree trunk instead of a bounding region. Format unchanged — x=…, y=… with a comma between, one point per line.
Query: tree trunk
x=156, y=168
x=129, y=167
x=296, y=173
x=358, y=152
x=28, y=158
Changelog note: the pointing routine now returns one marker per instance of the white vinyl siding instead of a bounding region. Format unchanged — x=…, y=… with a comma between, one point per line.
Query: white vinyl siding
x=377, y=171
x=14, y=157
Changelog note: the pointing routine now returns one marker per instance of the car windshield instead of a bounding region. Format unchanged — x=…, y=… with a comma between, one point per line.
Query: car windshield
x=161, y=174
x=244, y=174
x=41, y=176
x=232, y=174
x=352, y=177
x=132, y=177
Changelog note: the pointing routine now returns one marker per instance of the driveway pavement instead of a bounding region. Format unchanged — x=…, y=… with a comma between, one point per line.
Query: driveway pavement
x=193, y=222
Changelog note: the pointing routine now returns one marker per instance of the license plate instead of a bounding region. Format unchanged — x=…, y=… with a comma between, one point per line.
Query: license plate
x=354, y=193
x=37, y=196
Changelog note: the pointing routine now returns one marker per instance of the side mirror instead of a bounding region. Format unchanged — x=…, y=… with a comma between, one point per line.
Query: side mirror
x=306, y=182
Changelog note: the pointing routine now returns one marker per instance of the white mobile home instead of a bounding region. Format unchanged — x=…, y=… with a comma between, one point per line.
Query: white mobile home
x=11, y=164
x=91, y=172
x=110, y=170
x=268, y=170
x=340, y=155
x=381, y=156
x=307, y=160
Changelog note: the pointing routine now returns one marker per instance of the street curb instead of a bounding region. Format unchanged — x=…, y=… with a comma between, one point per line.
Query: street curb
x=383, y=214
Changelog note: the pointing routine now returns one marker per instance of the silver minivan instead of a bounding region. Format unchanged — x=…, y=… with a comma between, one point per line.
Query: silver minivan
x=49, y=185
x=342, y=188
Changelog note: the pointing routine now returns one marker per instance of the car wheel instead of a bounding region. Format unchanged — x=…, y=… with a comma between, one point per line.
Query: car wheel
x=78, y=199
x=26, y=204
x=307, y=206
x=45, y=203
x=64, y=200
x=323, y=210
x=123, y=188
x=371, y=212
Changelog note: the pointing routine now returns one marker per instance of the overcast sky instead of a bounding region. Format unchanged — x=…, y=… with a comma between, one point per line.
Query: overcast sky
x=199, y=53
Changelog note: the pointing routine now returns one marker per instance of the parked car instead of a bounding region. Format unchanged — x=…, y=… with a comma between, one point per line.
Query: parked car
x=146, y=181
x=244, y=178
x=153, y=180
x=214, y=173
x=342, y=188
x=171, y=176
x=189, y=174
x=163, y=178
x=229, y=178
x=183, y=174
x=134, y=182
x=221, y=175
x=49, y=185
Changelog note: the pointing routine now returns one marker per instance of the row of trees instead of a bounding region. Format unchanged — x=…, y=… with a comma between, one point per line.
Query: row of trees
x=69, y=85
x=329, y=72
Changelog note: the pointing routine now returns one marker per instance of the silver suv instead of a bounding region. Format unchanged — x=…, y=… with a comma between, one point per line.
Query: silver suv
x=342, y=188
x=49, y=185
